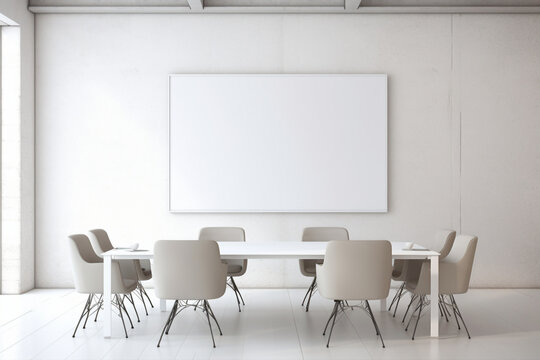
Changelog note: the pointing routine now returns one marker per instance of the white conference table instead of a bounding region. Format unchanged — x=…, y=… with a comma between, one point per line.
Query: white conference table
x=273, y=250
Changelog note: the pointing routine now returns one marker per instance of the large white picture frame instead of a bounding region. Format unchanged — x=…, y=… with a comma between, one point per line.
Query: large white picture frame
x=278, y=143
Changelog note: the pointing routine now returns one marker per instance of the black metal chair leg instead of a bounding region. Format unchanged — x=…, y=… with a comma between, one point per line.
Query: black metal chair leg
x=169, y=319
x=396, y=296
x=88, y=312
x=336, y=308
x=236, y=294
x=408, y=307
x=149, y=300
x=442, y=306
x=174, y=311
x=86, y=305
x=237, y=290
x=419, y=314
x=148, y=297
x=100, y=302
x=130, y=298
x=414, y=312
x=119, y=303
x=314, y=284
x=308, y=290
x=399, y=299
x=460, y=316
x=214, y=317
x=142, y=299
x=372, y=318
x=455, y=314
x=375, y=323
x=209, y=324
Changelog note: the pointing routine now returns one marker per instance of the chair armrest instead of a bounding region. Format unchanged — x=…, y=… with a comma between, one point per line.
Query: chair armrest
x=447, y=278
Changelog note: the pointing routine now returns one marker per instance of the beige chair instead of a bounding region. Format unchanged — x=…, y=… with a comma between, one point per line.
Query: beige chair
x=189, y=270
x=88, y=277
x=411, y=268
x=307, y=267
x=454, y=277
x=355, y=270
x=235, y=267
x=101, y=243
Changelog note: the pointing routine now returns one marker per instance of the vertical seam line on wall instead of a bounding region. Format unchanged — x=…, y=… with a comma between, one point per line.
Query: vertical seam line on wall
x=460, y=144
x=455, y=116
x=459, y=137
x=35, y=163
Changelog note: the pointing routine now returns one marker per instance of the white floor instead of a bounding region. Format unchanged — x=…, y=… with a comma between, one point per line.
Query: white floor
x=504, y=324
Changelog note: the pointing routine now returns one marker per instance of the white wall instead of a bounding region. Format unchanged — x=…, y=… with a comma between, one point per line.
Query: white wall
x=17, y=241
x=102, y=84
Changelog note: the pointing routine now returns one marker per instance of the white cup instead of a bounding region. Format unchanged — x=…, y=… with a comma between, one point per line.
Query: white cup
x=409, y=245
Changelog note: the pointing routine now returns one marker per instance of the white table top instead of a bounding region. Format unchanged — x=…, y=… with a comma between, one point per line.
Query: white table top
x=277, y=250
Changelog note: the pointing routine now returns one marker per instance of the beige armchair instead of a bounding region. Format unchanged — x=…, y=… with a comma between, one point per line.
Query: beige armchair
x=454, y=277
x=355, y=270
x=410, y=269
x=307, y=267
x=101, y=243
x=88, y=278
x=235, y=268
x=189, y=270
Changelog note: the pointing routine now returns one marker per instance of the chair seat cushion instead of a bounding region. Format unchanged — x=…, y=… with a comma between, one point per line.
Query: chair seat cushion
x=234, y=269
x=129, y=284
x=310, y=266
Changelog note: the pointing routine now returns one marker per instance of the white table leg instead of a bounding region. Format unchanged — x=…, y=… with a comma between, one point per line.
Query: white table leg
x=382, y=304
x=107, y=279
x=162, y=304
x=434, y=296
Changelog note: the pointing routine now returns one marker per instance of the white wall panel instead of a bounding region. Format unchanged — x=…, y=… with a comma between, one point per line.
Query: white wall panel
x=102, y=83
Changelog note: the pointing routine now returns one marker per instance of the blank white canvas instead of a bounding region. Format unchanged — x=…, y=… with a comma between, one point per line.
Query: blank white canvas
x=278, y=143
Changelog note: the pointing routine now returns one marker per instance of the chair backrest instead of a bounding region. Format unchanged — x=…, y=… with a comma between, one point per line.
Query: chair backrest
x=462, y=256
x=226, y=234
x=100, y=241
x=320, y=234
x=188, y=270
x=445, y=237
x=356, y=270
x=81, y=254
x=325, y=234
x=81, y=249
x=222, y=234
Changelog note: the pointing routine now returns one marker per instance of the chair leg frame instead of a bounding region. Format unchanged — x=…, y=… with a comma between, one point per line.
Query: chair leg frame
x=339, y=307
x=309, y=293
x=179, y=306
x=90, y=309
x=232, y=284
x=397, y=295
x=413, y=298
x=129, y=298
x=424, y=302
x=123, y=307
x=401, y=291
x=140, y=292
